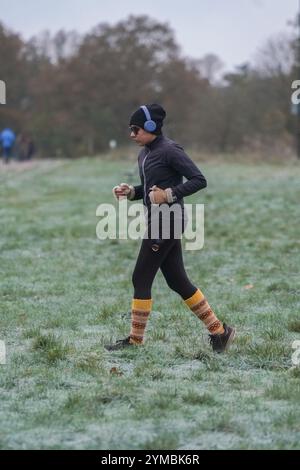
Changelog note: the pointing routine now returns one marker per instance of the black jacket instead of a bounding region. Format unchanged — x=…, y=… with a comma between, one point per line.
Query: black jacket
x=164, y=163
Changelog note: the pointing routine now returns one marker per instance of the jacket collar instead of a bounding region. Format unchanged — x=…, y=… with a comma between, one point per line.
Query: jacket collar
x=155, y=143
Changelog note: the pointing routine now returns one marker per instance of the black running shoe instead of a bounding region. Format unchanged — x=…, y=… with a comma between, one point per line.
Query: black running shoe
x=221, y=342
x=120, y=344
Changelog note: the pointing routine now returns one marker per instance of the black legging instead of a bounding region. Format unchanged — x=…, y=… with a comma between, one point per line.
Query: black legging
x=169, y=259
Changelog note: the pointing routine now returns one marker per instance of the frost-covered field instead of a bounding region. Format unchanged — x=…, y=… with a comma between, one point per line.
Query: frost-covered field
x=64, y=294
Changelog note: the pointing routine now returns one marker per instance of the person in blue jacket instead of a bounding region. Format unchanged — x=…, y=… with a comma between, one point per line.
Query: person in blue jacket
x=7, y=140
x=162, y=165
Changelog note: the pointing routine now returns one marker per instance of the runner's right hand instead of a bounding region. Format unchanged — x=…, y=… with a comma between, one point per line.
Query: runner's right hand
x=121, y=191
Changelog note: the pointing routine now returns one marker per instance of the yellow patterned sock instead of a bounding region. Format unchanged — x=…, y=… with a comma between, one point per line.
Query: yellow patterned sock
x=201, y=308
x=140, y=311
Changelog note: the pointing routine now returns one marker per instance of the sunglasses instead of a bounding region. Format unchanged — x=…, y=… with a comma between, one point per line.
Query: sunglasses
x=134, y=129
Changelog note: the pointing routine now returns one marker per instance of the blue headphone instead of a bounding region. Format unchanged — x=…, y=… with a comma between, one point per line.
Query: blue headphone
x=149, y=125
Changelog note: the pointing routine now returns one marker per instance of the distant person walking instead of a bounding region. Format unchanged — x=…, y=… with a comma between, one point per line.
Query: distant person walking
x=30, y=148
x=163, y=164
x=25, y=147
x=7, y=140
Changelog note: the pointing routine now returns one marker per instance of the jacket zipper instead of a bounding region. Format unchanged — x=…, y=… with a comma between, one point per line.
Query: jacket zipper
x=145, y=184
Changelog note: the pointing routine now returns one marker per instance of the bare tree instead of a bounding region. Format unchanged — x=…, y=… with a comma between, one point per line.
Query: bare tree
x=276, y=57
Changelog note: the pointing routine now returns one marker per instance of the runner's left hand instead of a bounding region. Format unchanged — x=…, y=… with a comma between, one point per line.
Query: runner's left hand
x=157, y=195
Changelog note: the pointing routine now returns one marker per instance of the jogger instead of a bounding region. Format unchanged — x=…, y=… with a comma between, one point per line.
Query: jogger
x=162, y=165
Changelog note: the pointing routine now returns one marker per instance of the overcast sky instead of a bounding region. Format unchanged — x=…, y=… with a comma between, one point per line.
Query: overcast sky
x=232, y=29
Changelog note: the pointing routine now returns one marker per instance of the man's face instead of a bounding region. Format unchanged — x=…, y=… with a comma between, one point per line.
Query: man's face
x=140, y=136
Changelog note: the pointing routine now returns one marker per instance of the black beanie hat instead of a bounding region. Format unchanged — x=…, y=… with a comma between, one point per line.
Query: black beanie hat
x=157, y=114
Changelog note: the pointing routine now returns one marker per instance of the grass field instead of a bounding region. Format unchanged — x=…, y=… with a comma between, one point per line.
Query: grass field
x=64, y=294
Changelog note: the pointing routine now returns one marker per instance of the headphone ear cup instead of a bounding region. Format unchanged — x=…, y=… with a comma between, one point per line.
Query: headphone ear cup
x=150, y=126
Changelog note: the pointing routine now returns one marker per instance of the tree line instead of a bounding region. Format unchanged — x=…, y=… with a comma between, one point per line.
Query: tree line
x=74, y=93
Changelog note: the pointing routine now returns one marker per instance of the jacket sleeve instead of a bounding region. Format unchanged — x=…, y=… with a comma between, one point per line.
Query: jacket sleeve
x=182, y=163
x=138, y=192
x=139, y=189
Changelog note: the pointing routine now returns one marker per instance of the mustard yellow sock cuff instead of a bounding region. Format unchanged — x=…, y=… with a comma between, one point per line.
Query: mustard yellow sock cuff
x=145, y=305
x=195, y=299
